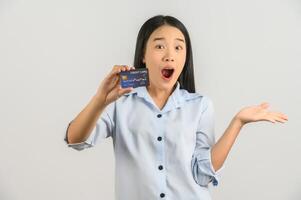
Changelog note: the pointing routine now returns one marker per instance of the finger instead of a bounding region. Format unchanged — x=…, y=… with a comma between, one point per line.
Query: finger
x=264, y=105
x=132, y=68
x=116, y=80
x=283, y=116
x=274, y=118
x=126, y=90
x=123, y=68
x=280, y=115
x=128, y=68
x=122, y=91
x=116, y=70
x=280, y=119
x=270, y=118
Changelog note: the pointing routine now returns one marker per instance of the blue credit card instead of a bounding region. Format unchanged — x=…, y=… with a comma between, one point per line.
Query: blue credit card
x=134, y=78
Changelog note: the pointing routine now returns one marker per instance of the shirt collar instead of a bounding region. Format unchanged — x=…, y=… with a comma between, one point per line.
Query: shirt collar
x=175, y=100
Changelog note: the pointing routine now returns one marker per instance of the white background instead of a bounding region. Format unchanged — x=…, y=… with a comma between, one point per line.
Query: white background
x=54, y=54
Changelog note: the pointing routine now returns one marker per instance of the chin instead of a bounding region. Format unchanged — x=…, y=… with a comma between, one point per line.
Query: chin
x=167, y=85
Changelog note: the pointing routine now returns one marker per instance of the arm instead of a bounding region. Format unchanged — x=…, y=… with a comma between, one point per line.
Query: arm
x=109, y=90
x=221, y=149
x=80, y=128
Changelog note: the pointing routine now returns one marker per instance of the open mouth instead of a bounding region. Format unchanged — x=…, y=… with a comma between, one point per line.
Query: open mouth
x=167, y=73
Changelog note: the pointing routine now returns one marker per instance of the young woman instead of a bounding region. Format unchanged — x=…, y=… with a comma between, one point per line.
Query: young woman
x=163, y=134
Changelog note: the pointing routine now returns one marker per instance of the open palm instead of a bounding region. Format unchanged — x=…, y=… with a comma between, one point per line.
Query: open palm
x=260, y=113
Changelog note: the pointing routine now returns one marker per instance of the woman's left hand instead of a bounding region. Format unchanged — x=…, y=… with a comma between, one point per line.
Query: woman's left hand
x=259, y=113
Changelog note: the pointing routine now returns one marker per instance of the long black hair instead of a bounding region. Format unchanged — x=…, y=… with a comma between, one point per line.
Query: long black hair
x=186, y=77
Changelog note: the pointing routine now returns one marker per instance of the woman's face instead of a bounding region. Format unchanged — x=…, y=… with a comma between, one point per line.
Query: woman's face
x=165, y=56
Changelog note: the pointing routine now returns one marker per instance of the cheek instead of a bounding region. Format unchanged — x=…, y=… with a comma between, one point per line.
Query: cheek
x=153, y=62
x=182, y=60
x=153, y=71
x=154, y=58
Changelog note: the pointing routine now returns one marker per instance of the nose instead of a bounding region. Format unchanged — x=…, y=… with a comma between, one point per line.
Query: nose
x=169, y=57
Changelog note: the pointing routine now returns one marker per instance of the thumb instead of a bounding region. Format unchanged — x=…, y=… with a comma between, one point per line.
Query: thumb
x=123, y=91
x=264, y=105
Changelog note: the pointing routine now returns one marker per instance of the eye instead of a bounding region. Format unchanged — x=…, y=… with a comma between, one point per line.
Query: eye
x=179, y=47
x=159, y=46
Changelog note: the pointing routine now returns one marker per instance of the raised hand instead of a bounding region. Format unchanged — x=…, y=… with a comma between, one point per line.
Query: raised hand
x=110, y=89
x=259, y=113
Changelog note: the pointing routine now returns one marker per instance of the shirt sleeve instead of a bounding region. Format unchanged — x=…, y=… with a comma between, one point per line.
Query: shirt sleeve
x=103, y=129
x=202, y=169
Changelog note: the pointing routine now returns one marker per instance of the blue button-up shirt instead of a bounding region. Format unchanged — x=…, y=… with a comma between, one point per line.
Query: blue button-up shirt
x=159, y=154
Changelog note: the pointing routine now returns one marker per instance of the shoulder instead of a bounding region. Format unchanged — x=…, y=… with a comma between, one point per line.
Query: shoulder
x=194, y=96
x=198, y=98
x=185, y=95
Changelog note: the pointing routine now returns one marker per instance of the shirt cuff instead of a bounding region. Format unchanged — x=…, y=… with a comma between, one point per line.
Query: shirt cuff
x=202, y=168
x=81, y=145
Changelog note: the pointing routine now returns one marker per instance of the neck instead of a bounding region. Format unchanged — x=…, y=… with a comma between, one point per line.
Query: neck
x=159, y=96
x=156, y=92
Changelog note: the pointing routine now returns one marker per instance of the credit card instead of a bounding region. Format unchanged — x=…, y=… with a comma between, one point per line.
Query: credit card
x=134, y=78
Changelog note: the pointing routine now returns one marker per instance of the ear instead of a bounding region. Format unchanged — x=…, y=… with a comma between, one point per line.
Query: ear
x=143, y=60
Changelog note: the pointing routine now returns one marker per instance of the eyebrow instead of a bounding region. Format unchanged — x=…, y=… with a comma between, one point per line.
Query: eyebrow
x=162, y=38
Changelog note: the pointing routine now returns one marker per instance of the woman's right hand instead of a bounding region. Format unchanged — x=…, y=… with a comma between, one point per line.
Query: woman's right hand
x=110, y=89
